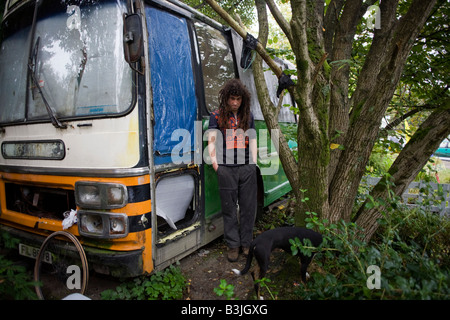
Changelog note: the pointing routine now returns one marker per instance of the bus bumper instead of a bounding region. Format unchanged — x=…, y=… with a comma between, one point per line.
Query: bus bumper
x=114, y=263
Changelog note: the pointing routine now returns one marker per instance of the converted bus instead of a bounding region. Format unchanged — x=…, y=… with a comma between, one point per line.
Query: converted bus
x=104, y=109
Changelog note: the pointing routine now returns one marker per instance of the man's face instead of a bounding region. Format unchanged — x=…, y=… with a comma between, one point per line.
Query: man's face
x=234, y=102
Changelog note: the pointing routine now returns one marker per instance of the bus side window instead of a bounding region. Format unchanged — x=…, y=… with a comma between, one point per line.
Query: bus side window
x=217, y=62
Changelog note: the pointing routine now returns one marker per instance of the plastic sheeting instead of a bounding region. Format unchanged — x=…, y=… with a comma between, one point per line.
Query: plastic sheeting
x=70, y=218
x=174, y=99
x=173, y=196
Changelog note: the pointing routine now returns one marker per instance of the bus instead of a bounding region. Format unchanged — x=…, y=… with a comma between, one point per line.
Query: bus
x=104, y=110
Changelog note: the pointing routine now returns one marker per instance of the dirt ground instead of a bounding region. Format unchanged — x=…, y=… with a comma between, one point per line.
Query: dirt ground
x=203, y=271
x=205, y=268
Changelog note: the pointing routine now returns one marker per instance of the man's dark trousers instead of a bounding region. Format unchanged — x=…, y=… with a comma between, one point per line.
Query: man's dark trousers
x=237, y=184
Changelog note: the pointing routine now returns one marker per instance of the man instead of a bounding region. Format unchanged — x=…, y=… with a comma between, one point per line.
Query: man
x=232, y=149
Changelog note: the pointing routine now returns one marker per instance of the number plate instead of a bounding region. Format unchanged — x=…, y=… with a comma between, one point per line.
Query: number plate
x=32, y=252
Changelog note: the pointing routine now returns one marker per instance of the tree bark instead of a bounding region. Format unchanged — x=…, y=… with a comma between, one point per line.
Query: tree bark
x=344, y=31
x=313, y=91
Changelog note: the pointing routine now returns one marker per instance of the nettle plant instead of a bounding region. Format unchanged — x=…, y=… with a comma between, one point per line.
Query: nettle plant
x=408, y=258
x=167, y=284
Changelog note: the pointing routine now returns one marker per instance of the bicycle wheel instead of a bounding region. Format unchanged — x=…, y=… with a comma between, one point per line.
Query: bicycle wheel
x=61, y=267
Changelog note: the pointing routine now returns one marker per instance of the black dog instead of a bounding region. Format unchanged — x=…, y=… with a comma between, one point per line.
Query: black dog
x=264, y=244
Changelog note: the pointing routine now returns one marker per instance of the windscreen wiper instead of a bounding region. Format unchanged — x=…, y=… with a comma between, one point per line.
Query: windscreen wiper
x=32, y=62
x=32, y=67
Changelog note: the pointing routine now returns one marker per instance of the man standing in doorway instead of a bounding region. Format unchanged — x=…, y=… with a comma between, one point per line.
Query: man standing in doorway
x=232, y=148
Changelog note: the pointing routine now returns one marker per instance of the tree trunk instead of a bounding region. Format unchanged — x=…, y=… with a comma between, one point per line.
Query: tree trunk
x=339, y=38
x=378, y=79
x=405, y=168
x=330, y=180
x=313, y=92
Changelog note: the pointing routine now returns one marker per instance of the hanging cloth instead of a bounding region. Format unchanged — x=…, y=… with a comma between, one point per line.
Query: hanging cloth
x=250, y=43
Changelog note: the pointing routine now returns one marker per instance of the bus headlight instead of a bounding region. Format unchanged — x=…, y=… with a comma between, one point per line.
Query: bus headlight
x=99, y=195
x=102, y=224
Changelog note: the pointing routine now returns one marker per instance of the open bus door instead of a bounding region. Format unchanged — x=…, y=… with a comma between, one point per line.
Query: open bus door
x=174, y=112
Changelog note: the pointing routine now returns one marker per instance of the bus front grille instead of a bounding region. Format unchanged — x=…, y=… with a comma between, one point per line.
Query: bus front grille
x=39, y=201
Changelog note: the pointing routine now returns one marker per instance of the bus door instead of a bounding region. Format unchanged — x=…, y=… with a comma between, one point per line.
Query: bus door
x=174, y=115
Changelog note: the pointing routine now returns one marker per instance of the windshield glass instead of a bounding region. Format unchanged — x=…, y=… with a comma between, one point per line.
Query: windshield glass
x=76, y=57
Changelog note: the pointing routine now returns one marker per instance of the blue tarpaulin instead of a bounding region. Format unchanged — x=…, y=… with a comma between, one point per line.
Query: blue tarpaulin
x=173, y=87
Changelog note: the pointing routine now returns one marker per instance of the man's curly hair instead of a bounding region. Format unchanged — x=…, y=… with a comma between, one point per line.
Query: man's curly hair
x=234, y=87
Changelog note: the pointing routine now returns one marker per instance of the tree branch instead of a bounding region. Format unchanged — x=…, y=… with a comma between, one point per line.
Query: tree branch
x=300, y=46
x=331, y=22
x=318, y=66
x=280, y=103
x=398, y=120
x=267, y=107
x=340, y=48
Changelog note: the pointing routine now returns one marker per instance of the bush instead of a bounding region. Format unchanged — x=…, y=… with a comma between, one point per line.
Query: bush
x=15, y=282
x=417, y=228
x=167, y=284
x=409, y=252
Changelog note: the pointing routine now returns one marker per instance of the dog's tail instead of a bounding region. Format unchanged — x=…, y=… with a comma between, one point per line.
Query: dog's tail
x=247, y=264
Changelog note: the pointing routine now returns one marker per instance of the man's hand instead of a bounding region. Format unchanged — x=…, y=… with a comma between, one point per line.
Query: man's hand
x=212, y=149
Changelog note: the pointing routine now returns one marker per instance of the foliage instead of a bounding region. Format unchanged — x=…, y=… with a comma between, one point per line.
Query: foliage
x=225, y=289
x=411, y=252
x=15, y=282
x=245, y=9
x=265, y=284
x=428, y=231
x=163, y=285
x=7, y=241
x=444, y=176
x=427, y=72
x=380, y=160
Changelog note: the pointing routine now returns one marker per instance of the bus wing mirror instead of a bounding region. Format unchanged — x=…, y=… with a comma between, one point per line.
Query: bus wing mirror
x=132, y=38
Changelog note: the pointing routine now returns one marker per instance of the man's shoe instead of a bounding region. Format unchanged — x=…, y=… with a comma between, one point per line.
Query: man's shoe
x=245, y=251
x=233, y=254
